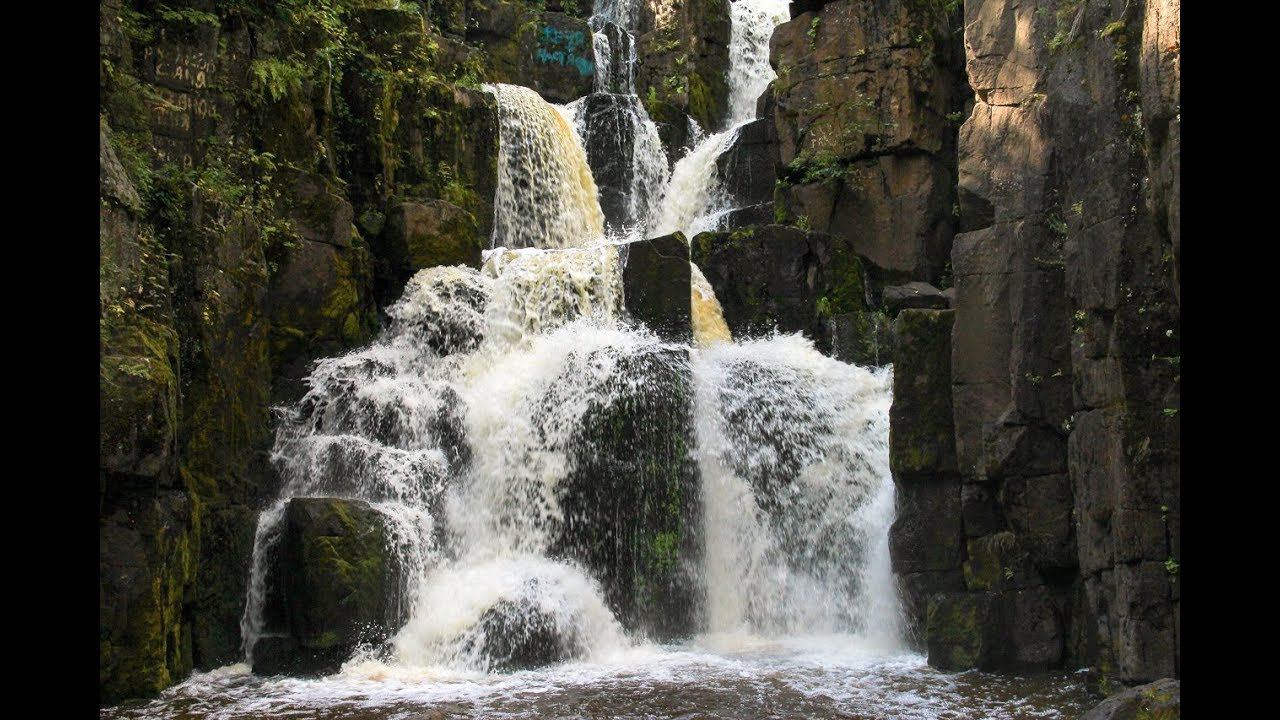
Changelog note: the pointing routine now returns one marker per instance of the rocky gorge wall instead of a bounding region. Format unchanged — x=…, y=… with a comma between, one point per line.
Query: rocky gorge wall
x=1061, y=489
x=986, y=196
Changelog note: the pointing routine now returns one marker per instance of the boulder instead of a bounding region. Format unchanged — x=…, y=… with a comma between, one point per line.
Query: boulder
x=514, y=635
x=656, y=286
x=631, y=503
x=334, y=587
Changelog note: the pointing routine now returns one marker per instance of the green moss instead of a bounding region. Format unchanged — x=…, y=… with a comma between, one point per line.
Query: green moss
x=991, y=561
x=702, y=104
x=846, y=288
x=953, y=631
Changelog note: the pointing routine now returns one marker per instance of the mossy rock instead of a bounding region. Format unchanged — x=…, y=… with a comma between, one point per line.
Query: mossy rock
x=922, y=433
x=656, y=286
x=998, y=562
x=138, y=394
x=337, y=584
x=961, y=630
x=631, y=502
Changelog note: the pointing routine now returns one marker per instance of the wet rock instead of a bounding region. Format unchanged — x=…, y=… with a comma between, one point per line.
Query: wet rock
x=778, y=276
x=621, y=50
x=442, y=145
x=739, y=218
x=515, y=635
x=1160, y=700
x=430, y=233
x=749, y=168
x=926, y=535
x=147, y=560
x=656, y=286
x=762, y=277
x=860, y=337
x=631, y=504
x=1039, y=511
x=965, y=630
x=912, y=295
x=609, y=138
x=335, y=587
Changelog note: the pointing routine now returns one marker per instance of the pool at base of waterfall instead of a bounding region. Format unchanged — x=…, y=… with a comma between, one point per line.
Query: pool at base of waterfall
x=726, y=677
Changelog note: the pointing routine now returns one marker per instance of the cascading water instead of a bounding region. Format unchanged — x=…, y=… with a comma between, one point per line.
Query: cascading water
x=695, y=200
x=472, y=426
x=546, y=196
x=793, y=453
x=750, y=73
x=622, y=139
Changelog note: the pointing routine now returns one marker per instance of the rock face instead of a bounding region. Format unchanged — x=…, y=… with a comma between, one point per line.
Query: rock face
x=425, y=234
x=333, y=587
x=656, y=286
x=550, y=52
x=270, y=174
x=862, y=107
x=1160, y=700
x=749, y=168
x=682, y=64
x=631, y=503
x=1061, y=503
x=776, y=276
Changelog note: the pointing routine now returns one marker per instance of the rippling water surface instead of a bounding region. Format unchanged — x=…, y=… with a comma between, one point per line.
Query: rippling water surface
x=714, y=678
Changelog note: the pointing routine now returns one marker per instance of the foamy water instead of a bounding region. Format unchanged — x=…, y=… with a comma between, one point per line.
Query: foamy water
x=812, y=677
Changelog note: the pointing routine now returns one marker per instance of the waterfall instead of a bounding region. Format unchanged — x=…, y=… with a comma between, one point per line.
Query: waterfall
x=622, y=141
x=752, y=24
x=694, y=195
x=467, y=423
x=694, y=199
x=546, y=196
x=709, y=326
x=793, y=453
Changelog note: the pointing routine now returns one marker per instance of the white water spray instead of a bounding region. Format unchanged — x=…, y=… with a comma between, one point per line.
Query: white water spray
x=793, y=452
